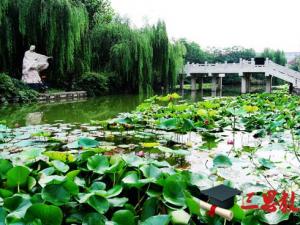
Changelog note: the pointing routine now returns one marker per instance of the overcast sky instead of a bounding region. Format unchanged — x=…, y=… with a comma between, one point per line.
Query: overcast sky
x=222, y=23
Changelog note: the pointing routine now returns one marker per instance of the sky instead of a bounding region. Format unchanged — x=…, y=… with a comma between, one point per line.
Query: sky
x=222, y=23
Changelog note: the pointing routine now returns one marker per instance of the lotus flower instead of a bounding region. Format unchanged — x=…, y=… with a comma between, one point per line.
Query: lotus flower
x=140, y=154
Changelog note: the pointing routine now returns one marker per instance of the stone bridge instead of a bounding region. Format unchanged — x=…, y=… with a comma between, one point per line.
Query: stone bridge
x=244, y=69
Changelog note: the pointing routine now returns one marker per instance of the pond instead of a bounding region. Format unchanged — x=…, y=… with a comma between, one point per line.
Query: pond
x=86, y=110
x=250, y=142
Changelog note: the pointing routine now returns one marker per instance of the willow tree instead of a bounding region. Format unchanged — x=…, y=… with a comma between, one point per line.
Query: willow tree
x=57, y=27
x=176, y=62
x=160, y=44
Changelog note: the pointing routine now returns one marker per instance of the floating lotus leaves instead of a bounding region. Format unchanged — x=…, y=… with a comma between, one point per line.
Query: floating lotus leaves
x=274, y=217
x=168, y=124
x=222, y=161
x=87, y=143
x=157, y=220
x=124, y=217
x=47, y=214
x=173, y=190
x=60, y=166
x=151, y=171
x=98, y=164
x=17, y=176
x=99, y=203
x=149, y=208
x=266, y=163
x=5, y=166
x=62, y=156
x=93, y=219
x=59, y=192
x=17, y=206
x=180, y=217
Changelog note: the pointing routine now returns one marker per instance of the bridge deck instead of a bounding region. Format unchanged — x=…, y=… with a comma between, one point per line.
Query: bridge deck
x=244, y=66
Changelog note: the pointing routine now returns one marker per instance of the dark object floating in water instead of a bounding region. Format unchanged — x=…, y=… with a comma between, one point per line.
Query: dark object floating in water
x=221, y=196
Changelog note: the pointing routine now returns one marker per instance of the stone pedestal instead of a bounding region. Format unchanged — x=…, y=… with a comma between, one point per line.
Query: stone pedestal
x=269, y=84
x=200, y=82
x=245, y=83
x=193, y=83
x=214, y=83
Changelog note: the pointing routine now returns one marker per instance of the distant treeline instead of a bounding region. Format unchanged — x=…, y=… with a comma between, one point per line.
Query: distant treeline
x=95, y=49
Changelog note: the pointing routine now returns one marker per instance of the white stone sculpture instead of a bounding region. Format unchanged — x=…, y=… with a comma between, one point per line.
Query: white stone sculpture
x=33, y=63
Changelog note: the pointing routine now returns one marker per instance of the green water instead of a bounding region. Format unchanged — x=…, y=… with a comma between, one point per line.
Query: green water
x=83, y=111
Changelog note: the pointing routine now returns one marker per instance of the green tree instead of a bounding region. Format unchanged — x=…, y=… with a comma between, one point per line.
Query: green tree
x=99, y=11
x=277, y=56
x=57, y=28
x=194, y=53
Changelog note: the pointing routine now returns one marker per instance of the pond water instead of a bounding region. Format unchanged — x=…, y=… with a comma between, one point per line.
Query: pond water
x=86, y=110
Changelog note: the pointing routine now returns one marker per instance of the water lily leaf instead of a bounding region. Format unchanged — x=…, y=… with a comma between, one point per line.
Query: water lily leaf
x=60, y=166
x=47, y=214
x=274, y=218
x=100, y=204
x=87, y=143
x=98, y=164
x=4, y=193
x=117, y=202
x=61, y=156
x=5, y=166
x=150, y=145
x=133, y=160
x=124, y=217
x=59, y=192
x=180, y=217
x=17, y=176
x=193, y=205
x=157, y=220
x=222, y=161
x=132, y=179
x=173, y=190
x=96, y=186
x=31, y=154
x=17, y=206
x=151, y=171
x=93, y=219
x=3, y=214
x=31, y=182
x=238, y=213
x=114, y=191
x=188, y=125
x=72, y=174
x=266, y=163
x=149, y=208
x=168, y=124
x=171, y=151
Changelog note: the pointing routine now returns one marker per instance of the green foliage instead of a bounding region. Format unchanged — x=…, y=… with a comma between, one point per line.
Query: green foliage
x=26, y=22
x=194, y=53
x=95, y=84
x=13, y=89
x=99, y=11
x=277, y=56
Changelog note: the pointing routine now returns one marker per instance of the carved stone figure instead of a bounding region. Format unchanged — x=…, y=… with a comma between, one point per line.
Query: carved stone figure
x=33, y=63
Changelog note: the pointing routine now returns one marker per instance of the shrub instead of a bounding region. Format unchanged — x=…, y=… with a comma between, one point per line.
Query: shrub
x=95, y=84
x=11, y=88
x=7, y=87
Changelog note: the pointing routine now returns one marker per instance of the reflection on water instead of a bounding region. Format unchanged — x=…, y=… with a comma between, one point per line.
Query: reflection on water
x=83, y=111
